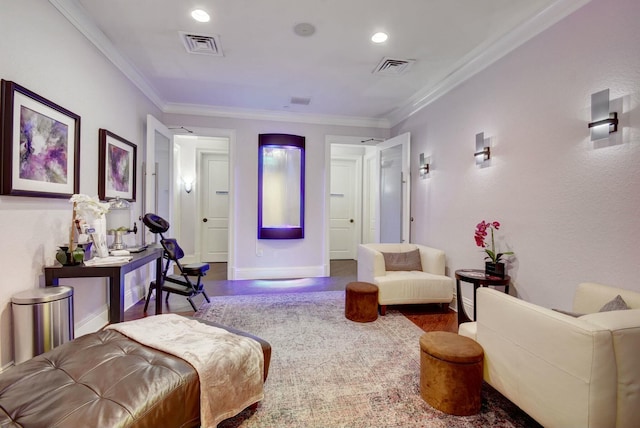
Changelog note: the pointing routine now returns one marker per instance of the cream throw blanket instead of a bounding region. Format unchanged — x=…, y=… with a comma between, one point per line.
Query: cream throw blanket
x=230, y=367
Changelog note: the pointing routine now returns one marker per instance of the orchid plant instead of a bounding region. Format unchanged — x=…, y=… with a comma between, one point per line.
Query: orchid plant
x=89, y=207
x=482, y=230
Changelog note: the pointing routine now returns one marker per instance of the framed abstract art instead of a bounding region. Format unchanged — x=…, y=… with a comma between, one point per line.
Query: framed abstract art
x=40, y=145
x=116, y=167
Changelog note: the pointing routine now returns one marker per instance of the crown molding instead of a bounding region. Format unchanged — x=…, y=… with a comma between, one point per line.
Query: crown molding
x=277, y=116
x=485, y=55
x=72, y=10
x=476, y=61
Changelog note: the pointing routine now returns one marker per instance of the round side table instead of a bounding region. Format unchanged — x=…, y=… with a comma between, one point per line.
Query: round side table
x=479, y=278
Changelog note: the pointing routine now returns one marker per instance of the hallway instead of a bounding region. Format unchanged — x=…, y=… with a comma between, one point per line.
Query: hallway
x=427, y=317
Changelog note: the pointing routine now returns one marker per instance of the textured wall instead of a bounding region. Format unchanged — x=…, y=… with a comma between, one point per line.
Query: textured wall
x=279, y=257
x=569, y=207
x=43, y=52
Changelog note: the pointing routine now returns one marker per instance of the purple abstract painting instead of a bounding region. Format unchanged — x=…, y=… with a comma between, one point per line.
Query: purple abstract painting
x=119, y=164
x=43, y=148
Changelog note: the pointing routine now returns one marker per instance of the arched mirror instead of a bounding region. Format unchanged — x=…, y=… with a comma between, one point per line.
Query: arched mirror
x=280, y=186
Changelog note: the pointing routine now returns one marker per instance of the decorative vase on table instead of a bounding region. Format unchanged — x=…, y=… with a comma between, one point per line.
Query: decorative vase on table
x=92, y=213
x=99, y=235
x=67, y=258
x=86, y=248
x=494, y=269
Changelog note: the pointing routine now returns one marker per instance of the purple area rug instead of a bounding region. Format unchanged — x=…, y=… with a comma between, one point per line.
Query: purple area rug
x=327, y=371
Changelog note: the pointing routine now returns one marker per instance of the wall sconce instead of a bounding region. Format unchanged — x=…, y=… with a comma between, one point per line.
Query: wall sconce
x=603, y=122
x=188, y=184
x=483, y=151
x=424, y=165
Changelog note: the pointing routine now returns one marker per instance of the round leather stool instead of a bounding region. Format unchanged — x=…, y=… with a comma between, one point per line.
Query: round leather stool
x=361, y=302
x=451, y=372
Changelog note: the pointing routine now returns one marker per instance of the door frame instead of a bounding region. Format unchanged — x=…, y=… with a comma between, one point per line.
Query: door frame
x=329, y=141
x=403, y=140
x=230, y=134
x=149, y=171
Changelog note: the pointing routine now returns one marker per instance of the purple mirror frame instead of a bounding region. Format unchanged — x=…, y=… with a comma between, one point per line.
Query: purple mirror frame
x=282, y=141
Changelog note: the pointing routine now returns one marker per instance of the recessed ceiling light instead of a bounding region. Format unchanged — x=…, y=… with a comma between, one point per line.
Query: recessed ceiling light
x=200, y=15
x=379, y=37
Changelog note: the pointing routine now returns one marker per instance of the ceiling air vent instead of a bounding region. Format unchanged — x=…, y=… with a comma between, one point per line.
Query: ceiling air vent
x=393, y=67
x=201, y=44
x=304, y=101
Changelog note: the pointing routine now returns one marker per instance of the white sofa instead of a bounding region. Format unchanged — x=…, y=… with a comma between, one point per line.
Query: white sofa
x=563, y=371
x=405, y=287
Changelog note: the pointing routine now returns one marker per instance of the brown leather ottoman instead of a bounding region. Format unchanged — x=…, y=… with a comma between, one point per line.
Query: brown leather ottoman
x=451, y=372
x=361, y=302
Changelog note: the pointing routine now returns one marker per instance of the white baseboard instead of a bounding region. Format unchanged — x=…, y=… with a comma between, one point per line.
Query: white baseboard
x=7, y=366
x=278, y=272
x=133, y=295
x=93, y=322
x=97, y=320
x=466, y=302
x=454, y=303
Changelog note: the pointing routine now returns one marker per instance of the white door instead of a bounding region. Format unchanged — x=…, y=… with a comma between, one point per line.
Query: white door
x=214, y=207
x=158, y=173
x=344, y=218
x=393, y=208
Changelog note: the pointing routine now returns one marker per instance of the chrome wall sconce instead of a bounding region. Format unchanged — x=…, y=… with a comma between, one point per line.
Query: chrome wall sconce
x=483, y=151
x=188, y=184
x=603, y=122
x=424, y=165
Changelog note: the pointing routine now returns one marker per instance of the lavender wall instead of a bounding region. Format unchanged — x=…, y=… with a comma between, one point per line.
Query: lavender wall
x=569, y=207
x=43, y=52
x=264, y=258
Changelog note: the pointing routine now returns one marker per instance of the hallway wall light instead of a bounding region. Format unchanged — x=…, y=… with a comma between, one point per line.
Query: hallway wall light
x=188, y=184
x=483, y=151
x=424, y=165
x=603, y=122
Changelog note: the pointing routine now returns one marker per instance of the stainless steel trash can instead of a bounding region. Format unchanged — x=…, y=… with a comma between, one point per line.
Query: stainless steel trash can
x=42, y=320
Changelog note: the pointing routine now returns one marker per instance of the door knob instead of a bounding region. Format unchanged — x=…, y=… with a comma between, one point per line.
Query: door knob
x=350, y=220
x=205, y=220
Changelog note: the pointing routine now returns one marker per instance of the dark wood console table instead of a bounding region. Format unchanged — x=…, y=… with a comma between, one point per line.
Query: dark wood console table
x=478, y=278
x=116, y=274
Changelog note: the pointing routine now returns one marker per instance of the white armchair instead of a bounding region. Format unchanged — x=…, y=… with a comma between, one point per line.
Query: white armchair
x=429, y=285
x=563, y=371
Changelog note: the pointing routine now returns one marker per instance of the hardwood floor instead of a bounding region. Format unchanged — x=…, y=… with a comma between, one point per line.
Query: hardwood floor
x=428, y=317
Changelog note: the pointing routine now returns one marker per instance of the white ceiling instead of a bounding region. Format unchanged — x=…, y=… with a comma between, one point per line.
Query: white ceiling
x=265, y=63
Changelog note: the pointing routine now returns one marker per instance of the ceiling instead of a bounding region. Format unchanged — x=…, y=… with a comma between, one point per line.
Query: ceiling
x=265, y=64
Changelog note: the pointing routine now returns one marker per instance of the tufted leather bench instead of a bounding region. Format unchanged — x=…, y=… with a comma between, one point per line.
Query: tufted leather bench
x=104, y=379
